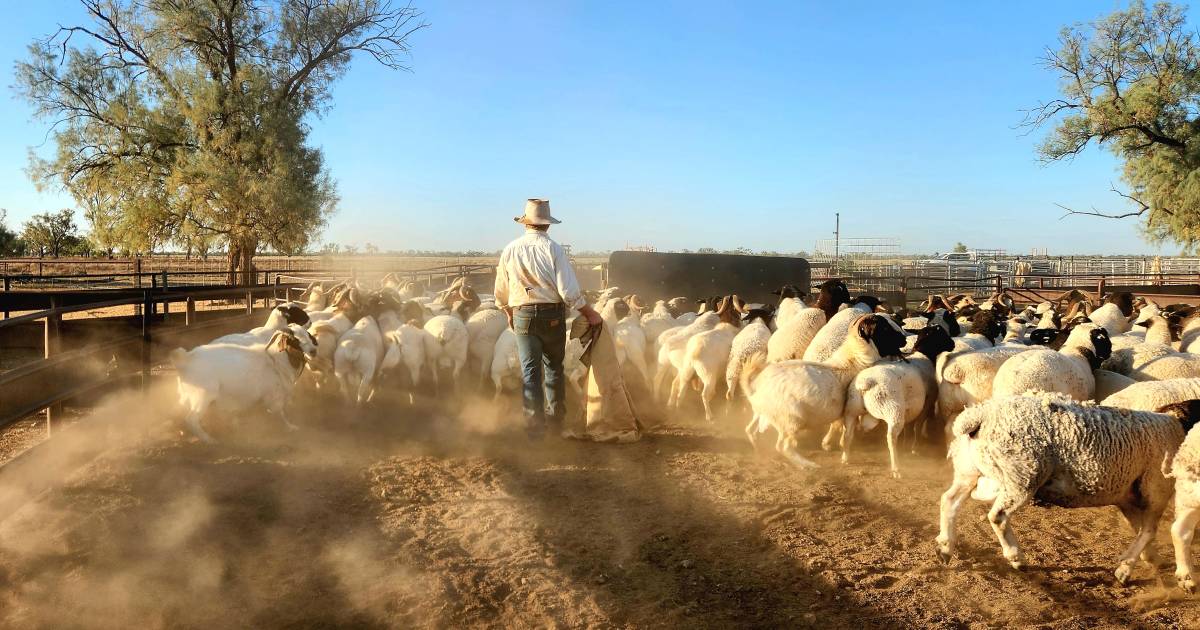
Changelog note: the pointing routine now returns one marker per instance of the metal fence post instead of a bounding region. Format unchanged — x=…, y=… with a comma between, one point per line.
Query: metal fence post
x=189, y=312
x=137, y=270
x=7, y=288
x=249, y=302
x=52, y=343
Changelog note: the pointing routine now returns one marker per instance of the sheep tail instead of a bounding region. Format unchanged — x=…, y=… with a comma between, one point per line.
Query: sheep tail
x=754, y=365
x=1186, y=412
x=178, y=357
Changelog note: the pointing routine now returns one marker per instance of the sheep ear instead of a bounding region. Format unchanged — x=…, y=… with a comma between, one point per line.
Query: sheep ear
x=866, y=327
x=278, y=342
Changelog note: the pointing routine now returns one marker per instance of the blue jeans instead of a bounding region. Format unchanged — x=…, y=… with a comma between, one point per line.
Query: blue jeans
x=541, y=331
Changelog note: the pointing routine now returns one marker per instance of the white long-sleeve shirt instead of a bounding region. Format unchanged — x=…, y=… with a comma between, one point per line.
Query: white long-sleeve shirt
x=535, y=270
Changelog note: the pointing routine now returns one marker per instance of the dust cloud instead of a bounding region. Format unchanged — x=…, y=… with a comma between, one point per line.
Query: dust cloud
x=443, y=515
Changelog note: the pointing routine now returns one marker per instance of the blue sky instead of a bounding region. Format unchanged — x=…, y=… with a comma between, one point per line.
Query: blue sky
x=689, y=124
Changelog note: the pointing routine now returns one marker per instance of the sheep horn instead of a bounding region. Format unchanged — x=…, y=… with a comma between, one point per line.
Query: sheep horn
x=738, y=304
x=636, y=302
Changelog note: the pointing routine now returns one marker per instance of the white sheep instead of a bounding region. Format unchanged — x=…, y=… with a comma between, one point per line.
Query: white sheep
x=830, y=337
x=1130, y=360
x=966, y=378
x=1109, y=383
x=316, y=300
x=705, y=357
x=484, y=327
x=450, y=350
x=1185, y=469
x=790, y=340
x=898, y=393
x=655, y=323
x=408, y=346
x=792, y=396
x=1152, y=395
x=346, y=307
x=1115, y=316
x=750, y=344
x=280, y=318
x=234, y=378
x=1051, y=450
x=672, y=344
x=505, y=369
x=1067, y=371
x=624, y=319
x=359, y=352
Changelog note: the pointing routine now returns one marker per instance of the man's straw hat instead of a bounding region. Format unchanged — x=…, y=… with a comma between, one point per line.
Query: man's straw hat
x=537, y=212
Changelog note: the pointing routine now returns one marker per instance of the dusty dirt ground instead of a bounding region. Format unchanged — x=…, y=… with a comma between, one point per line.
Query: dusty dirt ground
x=421, y=518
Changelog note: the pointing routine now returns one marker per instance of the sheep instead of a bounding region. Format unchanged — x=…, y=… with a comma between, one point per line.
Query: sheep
x=1067, y=371
x=573, y=367
x=628, y=336
x=1189, y=338
x=347, y=305
x=985, y=329
x=316, y=300
x=1185, y=469
x=678, y=306
x=674, y=341
x=750, y=344
x=505, y=368
x=356, y=360
x=1129, y=361
x=484, y=328
x=896, y=393
x=706, y=357
x=830, y=337
x=792, y=339
x=1157, y=361
x=1116, y=315
x=407, y=346
x=449, y=352
x=1014, y=334
x=655, y=323
x=235, y=378
x=280, y=318
x=792, y=396
x=791, y=301
x=1109, y=383
x=1048, y=449
x=966, y=378
x=1151, y=395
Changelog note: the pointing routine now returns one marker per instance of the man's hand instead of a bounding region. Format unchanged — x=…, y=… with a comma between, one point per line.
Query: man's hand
x=593, y=318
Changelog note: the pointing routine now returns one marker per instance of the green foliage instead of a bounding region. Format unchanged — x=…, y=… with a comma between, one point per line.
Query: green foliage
x=10, y=243
x=53, y=234
x=960, y=248
x=1131, y=82
x=183, y=123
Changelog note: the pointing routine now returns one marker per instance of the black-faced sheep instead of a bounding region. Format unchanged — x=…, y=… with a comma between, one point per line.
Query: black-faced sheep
x=1067, y=371
x=793, y=396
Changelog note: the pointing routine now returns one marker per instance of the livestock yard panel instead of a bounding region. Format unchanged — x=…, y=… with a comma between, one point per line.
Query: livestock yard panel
x=94, y=367
x=655, y=275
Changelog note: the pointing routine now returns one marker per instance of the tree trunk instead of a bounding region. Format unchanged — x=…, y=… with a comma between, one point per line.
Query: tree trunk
x=234, y=257
x=248, y=249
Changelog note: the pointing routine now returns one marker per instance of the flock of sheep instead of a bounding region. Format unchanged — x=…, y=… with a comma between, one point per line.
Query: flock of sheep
x=1067, y=403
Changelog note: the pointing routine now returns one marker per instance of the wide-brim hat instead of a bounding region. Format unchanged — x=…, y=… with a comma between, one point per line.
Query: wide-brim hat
x=537, y=212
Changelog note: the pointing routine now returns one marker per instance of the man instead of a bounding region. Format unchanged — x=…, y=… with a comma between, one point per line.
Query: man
x=535, y=286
